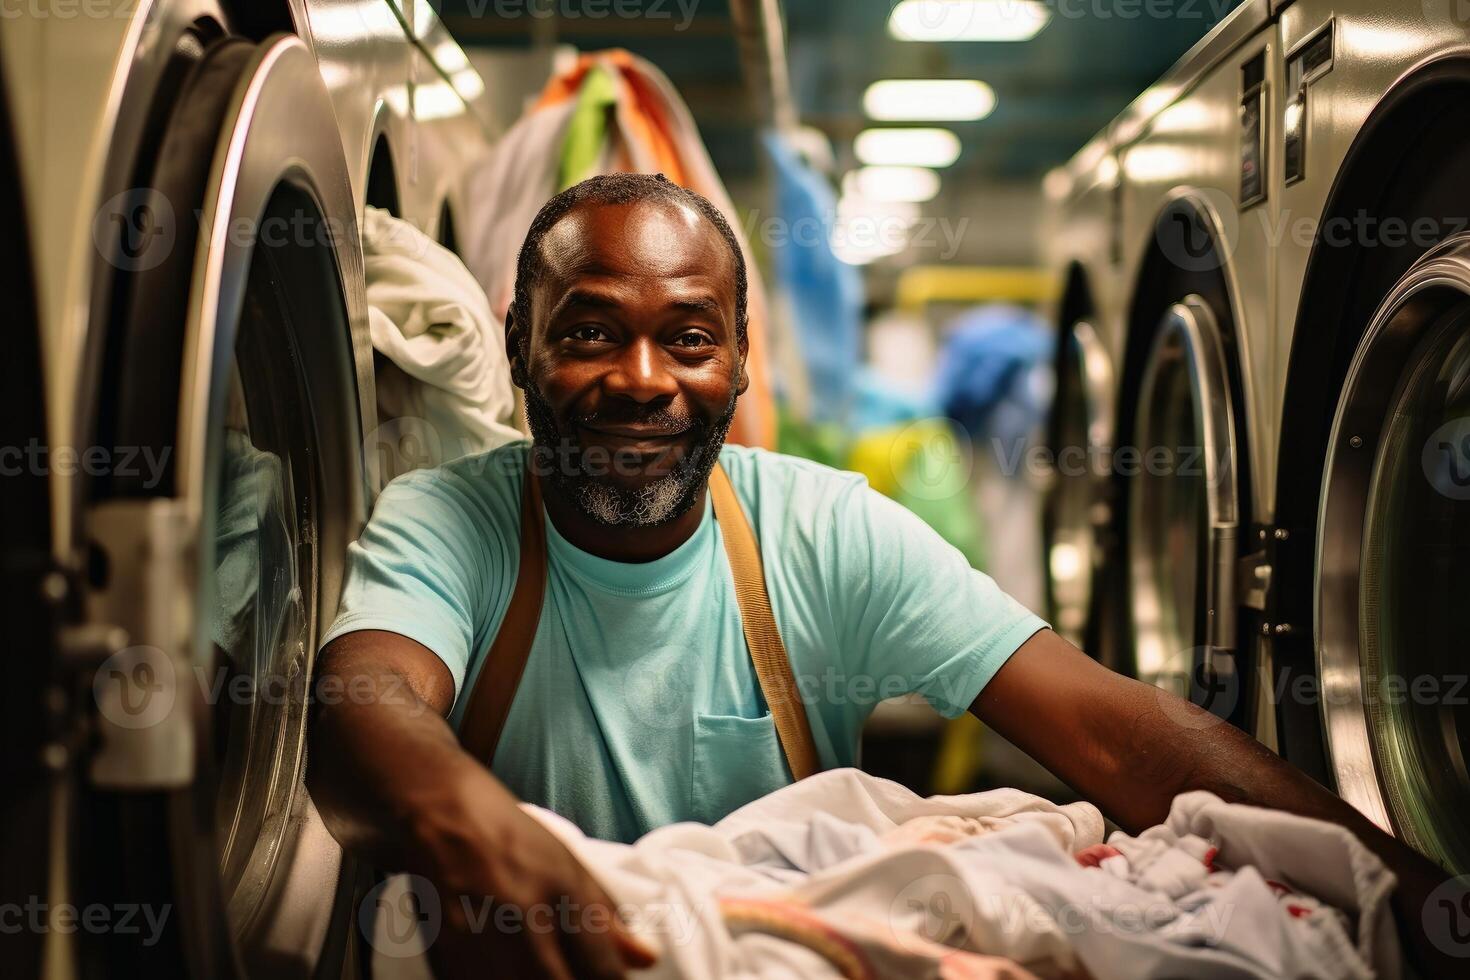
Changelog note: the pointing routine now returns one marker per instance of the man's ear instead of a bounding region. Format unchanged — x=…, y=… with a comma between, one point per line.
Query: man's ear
x=743, y=348
x=514, y=337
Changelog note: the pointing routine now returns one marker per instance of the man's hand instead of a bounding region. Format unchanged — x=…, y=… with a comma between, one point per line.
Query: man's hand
x=393, y=785
x=1131, y=748
x=513, y=895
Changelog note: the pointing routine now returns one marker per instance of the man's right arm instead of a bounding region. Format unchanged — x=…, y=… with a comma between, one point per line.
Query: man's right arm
x=394, y=786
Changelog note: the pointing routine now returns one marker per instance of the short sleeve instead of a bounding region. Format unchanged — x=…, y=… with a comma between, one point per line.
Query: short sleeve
x=418, y=568
x=917, y=617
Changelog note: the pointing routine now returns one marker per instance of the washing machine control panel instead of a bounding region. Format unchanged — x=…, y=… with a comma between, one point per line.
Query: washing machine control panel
x=1310, y=61
x=1253, y=131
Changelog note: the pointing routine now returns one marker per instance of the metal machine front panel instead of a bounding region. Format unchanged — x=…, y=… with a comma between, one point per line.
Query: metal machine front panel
x=1373, y=46
x=1192, y=148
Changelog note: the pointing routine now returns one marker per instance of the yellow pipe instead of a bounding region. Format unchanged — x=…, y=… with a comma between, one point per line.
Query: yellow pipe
x=921, y=285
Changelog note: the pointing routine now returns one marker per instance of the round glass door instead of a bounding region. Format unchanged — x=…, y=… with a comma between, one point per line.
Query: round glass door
x=1182, y=512
x=1394, y=565
x=1416, y=574
x=246, y=354
x=266, y=508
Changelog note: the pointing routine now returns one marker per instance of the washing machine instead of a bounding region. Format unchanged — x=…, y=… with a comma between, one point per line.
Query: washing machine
x=1279, y=302
x=189, y=400
x=1076, y=504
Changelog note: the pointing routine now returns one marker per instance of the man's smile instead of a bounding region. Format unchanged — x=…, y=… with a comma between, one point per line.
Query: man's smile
x=641, y=439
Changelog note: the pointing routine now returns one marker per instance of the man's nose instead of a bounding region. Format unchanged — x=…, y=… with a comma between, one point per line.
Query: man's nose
x=641, y=373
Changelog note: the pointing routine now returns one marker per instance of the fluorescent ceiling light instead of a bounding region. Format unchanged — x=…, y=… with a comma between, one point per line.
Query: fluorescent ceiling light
x=928, y=98
x=967, y=20
x=887, y=184
x=917, y=147
x=867, y=230
x=861, y=254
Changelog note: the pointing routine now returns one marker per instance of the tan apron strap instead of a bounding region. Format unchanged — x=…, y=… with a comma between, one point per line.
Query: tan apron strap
x=762, y=637
x=500, y=675
x=505, y=662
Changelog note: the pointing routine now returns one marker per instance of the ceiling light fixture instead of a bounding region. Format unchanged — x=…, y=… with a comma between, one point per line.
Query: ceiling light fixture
x=893, y=184
x=916, y=147
x=967, y=20
x=937, y=99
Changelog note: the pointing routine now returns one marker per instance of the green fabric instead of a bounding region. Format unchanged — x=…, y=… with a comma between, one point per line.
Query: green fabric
x=919, y=465
x=587, y=131
x=824, y=443
x=937, y=488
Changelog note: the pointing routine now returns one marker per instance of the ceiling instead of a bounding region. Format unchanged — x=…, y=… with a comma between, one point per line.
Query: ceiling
x=1054, y=91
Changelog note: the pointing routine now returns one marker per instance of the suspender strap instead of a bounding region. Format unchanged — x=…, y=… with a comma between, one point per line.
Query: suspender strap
x=762, y=637
x=500, y=675
x=495, y=687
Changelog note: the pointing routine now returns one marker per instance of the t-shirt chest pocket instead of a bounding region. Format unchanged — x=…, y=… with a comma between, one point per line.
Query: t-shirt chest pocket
x=736, y=760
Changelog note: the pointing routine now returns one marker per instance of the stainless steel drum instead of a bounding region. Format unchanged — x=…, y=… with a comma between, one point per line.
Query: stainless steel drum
x=1393, y=564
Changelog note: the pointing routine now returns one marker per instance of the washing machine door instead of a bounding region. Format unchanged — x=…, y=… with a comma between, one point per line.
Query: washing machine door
x=239, y=377
x=28, y=583
x=1183, y=507
x=1076, y=511
x=1393, y=564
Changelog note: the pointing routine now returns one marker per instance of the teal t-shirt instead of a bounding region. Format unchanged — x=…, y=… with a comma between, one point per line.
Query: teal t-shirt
x=639, y=705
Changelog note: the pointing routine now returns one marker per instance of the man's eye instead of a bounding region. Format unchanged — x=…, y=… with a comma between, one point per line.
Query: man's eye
x=588, y=333
x=692, y=338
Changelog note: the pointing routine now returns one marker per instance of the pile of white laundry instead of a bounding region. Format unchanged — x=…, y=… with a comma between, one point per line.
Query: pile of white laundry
x=844, y=874
x=443, y=380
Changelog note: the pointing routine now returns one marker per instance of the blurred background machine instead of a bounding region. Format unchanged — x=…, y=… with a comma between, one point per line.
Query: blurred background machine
x=1262, y=260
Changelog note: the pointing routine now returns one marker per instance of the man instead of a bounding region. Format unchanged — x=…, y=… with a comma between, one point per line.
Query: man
x=638, y=704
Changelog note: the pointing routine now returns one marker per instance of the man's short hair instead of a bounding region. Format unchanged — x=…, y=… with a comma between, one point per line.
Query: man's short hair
x=616, y=189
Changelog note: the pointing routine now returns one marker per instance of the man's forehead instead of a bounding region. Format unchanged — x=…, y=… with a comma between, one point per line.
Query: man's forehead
x=650, y=238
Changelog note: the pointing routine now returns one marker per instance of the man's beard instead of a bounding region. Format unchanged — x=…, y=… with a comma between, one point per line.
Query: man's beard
x=558, y=452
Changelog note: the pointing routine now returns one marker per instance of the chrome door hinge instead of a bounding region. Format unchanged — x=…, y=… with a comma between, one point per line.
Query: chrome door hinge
x=1254, y=579
x=135, y=644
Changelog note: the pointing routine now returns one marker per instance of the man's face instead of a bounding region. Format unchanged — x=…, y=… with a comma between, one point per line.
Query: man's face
x=633, y=364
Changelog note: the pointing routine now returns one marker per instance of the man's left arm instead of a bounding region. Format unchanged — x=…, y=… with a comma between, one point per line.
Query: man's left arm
x=1131, y=748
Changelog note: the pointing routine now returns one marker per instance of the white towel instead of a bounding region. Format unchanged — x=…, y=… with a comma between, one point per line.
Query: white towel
x=445, y=388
